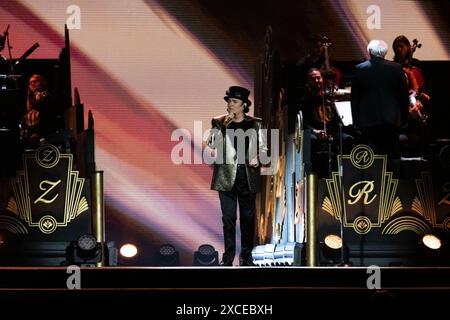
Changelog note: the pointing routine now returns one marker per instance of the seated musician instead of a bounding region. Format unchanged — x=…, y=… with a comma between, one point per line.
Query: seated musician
x=42, y=117
x=413, y=137
x=319, y=115
x=317, y=57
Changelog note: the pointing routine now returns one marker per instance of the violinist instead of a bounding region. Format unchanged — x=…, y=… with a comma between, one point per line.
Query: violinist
x=318, y=57
x=320, y=118
x=41, y=117
x=318, y=114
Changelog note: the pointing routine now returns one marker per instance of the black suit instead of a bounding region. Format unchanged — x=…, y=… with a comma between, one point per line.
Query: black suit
x=380, y=101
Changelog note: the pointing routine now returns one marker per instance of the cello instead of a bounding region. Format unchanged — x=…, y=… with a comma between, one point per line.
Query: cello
x=416, y=84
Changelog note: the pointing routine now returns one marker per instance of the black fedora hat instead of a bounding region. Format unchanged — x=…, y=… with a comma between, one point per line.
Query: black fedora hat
x=238, y=93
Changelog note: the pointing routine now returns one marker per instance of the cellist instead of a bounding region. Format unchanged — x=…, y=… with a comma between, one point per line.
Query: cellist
x=413, y=135
x=411, y=66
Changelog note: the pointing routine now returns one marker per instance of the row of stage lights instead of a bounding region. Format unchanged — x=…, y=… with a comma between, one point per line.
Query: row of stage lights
x=332, y=251
x=206, y=255
x=86, y=250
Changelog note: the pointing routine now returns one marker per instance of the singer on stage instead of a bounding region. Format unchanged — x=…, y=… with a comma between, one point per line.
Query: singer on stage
x=237, y=138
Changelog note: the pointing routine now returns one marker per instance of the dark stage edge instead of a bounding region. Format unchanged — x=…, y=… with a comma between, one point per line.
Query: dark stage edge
x=167, y=289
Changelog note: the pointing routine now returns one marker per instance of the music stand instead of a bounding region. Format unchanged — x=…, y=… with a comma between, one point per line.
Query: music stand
x=344, y=111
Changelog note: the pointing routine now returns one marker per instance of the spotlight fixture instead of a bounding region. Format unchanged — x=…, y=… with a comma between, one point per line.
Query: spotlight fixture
x=206, y=255
x=128, y=250
x=128, y=255
x=86, y=251
x=87, y=242
x=333, y=241
x=431, y=241
x=333, y=252
x=168, y=256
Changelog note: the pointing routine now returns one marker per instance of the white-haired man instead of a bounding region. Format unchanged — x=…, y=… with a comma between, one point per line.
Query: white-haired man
x=379, y=100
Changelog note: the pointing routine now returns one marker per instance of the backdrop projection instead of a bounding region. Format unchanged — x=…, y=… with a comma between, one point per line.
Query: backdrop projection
x=147, y=68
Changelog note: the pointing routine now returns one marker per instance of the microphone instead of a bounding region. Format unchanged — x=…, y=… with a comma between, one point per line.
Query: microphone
x=27, y=53
x=228, y=118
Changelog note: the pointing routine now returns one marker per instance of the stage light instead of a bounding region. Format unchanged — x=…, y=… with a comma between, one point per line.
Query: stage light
x=206, y=255
x=333, y=241
x=128, y=255
x=87, y=243
x=431, y=241
x=168, y=256
x=332, y=253
x=433, y=249
x=86, y=251
x=128, y=250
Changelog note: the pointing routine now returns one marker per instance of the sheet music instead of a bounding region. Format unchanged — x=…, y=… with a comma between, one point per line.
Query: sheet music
x=344, y=111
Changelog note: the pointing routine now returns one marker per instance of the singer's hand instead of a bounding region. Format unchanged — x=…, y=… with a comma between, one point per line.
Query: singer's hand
x=253, y=162
x=228, y=118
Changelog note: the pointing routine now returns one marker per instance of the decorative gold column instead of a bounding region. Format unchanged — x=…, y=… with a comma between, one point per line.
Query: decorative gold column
x=98, y=211
x=311, y=224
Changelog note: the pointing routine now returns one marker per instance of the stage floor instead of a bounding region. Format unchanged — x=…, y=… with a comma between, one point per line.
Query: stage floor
x=234, y=289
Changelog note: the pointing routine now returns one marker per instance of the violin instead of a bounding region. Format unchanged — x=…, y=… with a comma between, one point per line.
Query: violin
x=323, y=114
x=30, y=124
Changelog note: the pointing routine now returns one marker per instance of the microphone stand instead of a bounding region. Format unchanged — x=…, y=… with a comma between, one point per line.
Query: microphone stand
x=6, y=33
x=341, y=179
x=326, y=44
x=25, y=55
x=341, y=186
x=330, y=137
x=340, y=170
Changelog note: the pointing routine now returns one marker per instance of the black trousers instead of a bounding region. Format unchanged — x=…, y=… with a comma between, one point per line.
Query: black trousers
x=247, y=208
x=382, y=139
